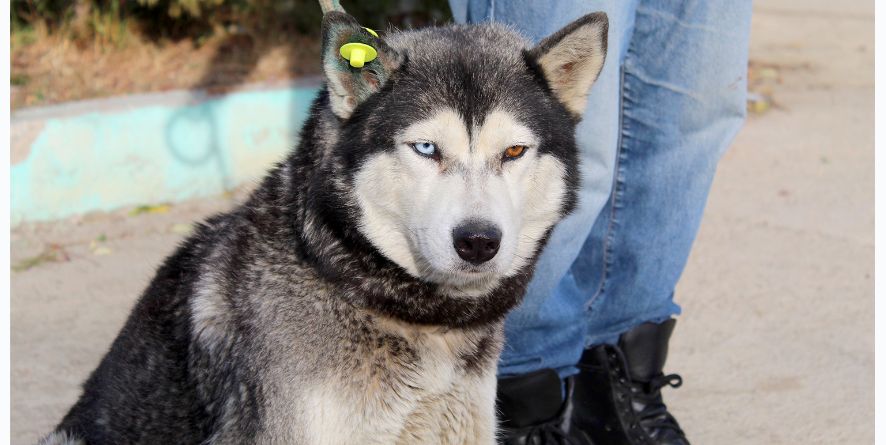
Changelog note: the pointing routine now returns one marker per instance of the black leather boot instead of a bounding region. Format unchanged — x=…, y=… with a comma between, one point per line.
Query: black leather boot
x=617, y=395
x=532, y=409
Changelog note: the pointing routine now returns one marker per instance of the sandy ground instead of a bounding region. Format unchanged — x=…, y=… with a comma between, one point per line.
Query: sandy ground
x=776, y=341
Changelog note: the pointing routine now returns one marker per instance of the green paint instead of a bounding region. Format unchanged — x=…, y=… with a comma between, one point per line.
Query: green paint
x=108, y=160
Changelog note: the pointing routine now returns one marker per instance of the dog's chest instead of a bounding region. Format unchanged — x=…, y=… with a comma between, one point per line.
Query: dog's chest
x=409, y=387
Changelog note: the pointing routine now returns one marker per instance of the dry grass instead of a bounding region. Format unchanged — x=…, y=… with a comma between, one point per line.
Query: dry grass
x=49, y=69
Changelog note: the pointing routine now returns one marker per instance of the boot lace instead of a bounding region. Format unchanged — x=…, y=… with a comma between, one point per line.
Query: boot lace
x=645, y=398
x=654, y=415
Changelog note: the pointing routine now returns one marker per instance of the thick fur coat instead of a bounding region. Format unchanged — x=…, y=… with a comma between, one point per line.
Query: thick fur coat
x=331, y=307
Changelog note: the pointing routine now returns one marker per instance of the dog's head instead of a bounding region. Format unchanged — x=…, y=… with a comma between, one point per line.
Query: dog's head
x=458, y=142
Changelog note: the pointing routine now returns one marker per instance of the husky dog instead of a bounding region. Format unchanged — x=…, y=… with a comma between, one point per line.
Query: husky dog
x=358, y=295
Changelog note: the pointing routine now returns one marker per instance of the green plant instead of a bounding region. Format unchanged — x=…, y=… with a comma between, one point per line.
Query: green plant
x=110, y=21
x=17, y=79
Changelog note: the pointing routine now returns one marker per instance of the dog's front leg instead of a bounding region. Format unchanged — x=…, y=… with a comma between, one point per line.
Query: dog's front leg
x=484, y=423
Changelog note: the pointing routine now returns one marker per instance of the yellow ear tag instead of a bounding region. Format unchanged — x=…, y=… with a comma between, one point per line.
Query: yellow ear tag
x=358, y=53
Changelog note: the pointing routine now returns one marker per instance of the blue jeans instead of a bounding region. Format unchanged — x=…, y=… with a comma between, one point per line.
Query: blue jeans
x=668, y=102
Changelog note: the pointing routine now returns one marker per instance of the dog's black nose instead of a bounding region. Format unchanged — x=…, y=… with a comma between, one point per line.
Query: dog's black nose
x=476, y=242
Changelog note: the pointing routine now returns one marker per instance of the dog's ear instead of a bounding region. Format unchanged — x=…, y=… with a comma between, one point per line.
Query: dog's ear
x=349, y=86
x=572, y=58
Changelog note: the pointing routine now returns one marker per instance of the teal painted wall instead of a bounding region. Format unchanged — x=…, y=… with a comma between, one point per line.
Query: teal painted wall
x=105, y=160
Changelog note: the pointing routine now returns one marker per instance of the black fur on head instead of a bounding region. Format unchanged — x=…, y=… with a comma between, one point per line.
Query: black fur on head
x=471, y=69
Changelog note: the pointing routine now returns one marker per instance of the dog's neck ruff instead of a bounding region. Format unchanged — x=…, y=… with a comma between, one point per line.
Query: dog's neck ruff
x=315, y=192
x=373, y=282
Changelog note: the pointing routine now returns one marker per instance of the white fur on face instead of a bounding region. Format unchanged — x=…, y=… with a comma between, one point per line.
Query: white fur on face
x=411, y=204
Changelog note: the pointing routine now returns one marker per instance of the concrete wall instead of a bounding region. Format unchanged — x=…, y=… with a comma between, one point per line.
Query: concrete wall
x=105, y=154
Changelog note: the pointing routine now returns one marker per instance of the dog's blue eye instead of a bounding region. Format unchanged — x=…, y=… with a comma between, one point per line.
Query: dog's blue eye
x=425, y=148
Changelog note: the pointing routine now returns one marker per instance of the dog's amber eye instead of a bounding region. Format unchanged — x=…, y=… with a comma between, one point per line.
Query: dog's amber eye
x=515, y=151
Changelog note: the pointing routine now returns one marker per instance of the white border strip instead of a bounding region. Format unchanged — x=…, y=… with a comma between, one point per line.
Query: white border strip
x=879, y=259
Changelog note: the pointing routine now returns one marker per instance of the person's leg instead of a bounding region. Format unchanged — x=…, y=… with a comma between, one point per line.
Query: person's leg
x=548, y=330
x=684, y=93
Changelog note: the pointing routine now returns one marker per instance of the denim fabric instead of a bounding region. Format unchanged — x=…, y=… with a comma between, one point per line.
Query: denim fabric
x=668, y=102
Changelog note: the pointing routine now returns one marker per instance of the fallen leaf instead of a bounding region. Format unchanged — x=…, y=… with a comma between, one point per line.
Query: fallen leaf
x=155, y=208
x=53, y=253
x=759, y=103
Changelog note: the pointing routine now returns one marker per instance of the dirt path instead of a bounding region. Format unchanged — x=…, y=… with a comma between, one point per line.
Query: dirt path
x=776, y=341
